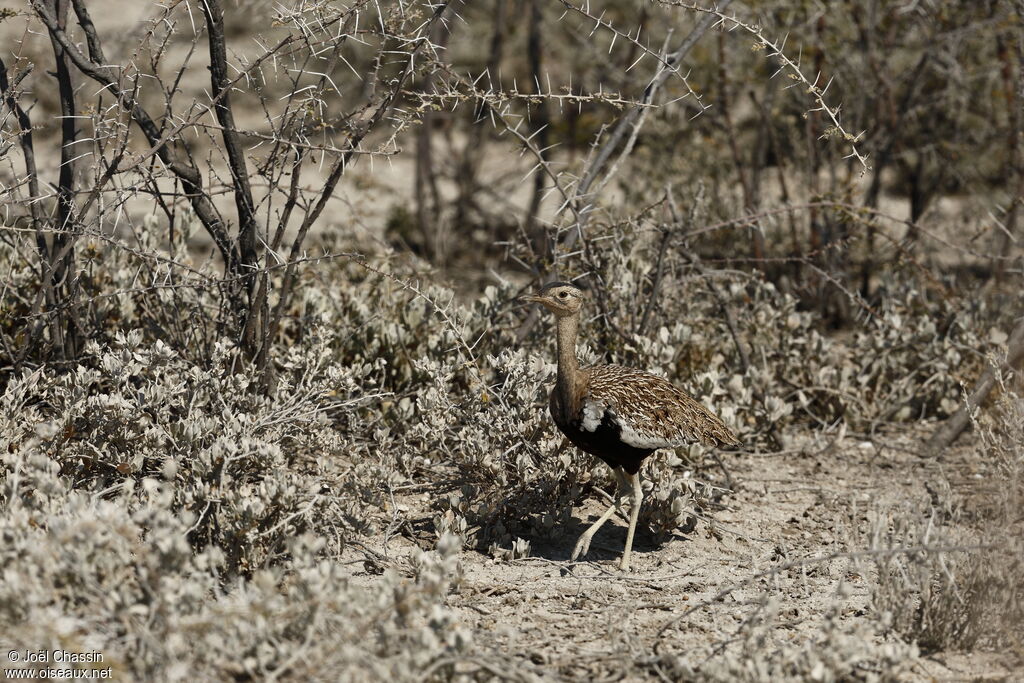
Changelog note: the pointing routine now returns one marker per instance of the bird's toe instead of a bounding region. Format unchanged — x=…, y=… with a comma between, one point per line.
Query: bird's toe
x=582, y=546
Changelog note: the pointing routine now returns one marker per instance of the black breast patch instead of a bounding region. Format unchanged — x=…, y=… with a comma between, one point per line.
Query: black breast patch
x=606, y=443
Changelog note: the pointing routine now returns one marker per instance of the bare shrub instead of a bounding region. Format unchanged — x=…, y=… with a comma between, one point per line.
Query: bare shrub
x=973, y=597
x=836, y=651
x=247, y=471
x=83, y=573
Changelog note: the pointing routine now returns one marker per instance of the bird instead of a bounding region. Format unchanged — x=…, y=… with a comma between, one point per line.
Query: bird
x=618, y=414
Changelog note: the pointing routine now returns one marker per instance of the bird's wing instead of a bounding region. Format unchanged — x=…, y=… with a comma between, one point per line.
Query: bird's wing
x=649, y=411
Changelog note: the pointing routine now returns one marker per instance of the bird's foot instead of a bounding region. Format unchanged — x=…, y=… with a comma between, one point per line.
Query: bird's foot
x=582, y=546
x=624, y=565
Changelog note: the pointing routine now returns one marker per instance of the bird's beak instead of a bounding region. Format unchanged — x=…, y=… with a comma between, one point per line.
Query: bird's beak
x=532, y=299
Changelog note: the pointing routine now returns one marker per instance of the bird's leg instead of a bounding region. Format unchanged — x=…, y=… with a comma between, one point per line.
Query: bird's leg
x=634, y=514
x=620, y=489
x=583, y=545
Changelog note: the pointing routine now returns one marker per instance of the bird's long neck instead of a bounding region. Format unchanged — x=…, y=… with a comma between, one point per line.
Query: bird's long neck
x=568, y=367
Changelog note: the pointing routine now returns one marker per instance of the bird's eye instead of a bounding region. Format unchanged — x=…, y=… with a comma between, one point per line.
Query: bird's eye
x=562, y=295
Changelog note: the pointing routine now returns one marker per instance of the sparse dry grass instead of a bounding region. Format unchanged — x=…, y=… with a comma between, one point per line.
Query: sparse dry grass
x=972, y=598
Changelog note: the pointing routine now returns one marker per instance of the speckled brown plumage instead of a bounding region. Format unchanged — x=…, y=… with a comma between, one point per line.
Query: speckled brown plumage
x=655, y=409
x=618, y=414
x=622, y=415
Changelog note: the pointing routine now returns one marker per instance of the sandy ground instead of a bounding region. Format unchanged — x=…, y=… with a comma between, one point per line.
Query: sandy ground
x=588, y=621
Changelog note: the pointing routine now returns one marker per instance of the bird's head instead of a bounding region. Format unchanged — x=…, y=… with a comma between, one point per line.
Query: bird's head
x=561, y=298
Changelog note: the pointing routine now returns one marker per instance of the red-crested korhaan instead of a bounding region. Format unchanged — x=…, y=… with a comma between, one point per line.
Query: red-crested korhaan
x=618, y=414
